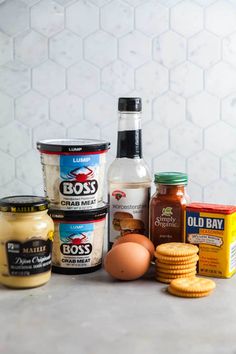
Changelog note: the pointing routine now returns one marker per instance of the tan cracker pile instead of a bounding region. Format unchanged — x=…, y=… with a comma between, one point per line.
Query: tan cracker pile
x=175, y=260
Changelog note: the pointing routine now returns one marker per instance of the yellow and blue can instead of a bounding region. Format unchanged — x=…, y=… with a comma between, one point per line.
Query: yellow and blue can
x=213, y=228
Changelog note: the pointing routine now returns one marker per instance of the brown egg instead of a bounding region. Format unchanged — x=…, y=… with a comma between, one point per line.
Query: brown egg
x=137, y=238
x=127, y=261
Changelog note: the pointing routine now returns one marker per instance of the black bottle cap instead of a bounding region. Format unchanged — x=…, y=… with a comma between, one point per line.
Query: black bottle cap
x=130, y=104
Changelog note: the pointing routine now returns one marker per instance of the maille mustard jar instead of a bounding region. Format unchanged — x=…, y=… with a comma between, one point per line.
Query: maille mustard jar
x=167, y=207
x=26, y=235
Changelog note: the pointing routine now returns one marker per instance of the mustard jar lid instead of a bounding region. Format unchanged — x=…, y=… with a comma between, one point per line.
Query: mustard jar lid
x=23, y=204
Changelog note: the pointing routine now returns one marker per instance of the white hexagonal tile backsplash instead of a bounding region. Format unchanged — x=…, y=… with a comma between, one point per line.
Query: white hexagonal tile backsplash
x=117, y=18
x=152, y=18
x=64, y=63
x=169, y=49
x=47, y=17
x=31, y=48
x=187, y=18
x=6, y=48
x=14, y=17
x=65, y=48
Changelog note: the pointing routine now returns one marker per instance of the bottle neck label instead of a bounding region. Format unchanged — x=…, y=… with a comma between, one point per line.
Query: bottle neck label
x=129, y=144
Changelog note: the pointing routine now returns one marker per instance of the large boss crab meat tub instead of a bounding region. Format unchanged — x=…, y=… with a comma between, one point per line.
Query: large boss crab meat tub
x=73, y=171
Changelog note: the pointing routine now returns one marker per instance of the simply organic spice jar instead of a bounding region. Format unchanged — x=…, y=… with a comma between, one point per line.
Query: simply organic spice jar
x=26, y=235
x=167, y=207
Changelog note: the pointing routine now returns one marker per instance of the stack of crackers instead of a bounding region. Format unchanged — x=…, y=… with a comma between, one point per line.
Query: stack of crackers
x=176, y=264
x=175, y=260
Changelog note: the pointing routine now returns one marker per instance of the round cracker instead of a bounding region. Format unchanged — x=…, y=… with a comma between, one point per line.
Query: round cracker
x=176, y=260
x=175, y=266
x=177, y=249
x=193, y=285
x=176, y=271
x=175, y=292
x=165, y=279
x=175, y=276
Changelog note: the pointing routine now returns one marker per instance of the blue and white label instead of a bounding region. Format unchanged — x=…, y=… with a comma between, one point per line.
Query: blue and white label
x=195, y=222
x=77, y=166
x=78, y=175
x=74, y=181
x=77, y=182
x=78, y=245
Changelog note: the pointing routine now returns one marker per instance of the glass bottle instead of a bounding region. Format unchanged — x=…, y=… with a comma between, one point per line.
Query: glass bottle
x=129, y=179
x=167, y=207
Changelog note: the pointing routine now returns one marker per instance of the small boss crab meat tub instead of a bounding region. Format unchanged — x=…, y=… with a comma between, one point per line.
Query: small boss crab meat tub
x=73, y=171
x=78, y=240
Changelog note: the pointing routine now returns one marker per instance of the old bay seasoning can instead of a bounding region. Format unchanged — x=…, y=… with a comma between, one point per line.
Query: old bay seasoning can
x=167, y=207
x=213, y=228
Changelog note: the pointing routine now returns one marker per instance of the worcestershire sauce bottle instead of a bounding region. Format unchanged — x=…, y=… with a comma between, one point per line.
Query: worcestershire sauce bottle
x=129, y=179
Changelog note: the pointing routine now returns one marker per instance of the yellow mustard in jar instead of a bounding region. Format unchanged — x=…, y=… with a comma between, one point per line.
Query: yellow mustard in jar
x=26, y=235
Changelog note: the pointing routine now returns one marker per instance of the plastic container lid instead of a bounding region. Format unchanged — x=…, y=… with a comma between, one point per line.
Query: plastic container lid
x=212, y=208
x=171, y=178
x=72, y=145
x=23, y=204
x=80, y=215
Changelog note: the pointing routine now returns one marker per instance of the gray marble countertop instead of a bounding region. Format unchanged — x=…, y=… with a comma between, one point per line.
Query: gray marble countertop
x=93, y=314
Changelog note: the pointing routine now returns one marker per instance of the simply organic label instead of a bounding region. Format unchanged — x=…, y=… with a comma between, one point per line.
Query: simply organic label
x=166, y=222
x=167, y=218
